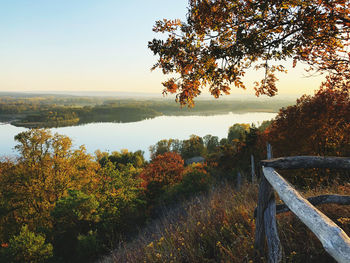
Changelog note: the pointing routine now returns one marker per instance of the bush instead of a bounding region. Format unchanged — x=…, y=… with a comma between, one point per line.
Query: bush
x=88, y=247
x=195, y=179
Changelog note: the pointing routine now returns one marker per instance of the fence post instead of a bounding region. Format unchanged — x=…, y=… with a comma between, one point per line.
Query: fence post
x=269, y=151
x=266, y=219
x=253, y=168
x=239, y=181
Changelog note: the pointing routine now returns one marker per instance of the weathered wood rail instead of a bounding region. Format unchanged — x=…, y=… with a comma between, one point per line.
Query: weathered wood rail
x=297, y=162
x=316, y=200
x=333, y=238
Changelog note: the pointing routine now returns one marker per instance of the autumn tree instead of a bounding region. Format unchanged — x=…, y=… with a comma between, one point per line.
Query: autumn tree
x=44, y=171
x=164, y=170
x=316, y=125
x=221, y=39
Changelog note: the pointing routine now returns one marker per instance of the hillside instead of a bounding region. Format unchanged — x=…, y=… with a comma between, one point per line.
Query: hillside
x=219, y=227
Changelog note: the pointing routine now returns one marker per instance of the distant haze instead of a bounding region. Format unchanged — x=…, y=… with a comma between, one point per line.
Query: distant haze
x=144, y=95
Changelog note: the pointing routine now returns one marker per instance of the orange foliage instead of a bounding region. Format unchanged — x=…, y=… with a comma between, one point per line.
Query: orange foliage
x=222, y=39
x=317, y=125
x=165, y=169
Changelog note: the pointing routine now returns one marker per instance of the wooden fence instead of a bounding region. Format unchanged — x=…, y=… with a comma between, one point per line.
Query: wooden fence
x=333, y=238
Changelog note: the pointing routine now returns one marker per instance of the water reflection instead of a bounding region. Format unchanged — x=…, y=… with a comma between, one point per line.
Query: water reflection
x=140, y=135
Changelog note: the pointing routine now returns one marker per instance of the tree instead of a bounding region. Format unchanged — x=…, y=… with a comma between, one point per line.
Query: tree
x=122, y=159
x=73, y=214
x=211, y=142
x=164, y=170
x=28, y=247
x=192, y=147
x=222, y=39
x=44, y=171
x=316, y=125
x=121, y=201
x=237, y=132
x=163, y=146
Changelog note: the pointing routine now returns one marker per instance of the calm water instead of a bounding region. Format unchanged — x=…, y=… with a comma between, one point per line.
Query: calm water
x=140, y=135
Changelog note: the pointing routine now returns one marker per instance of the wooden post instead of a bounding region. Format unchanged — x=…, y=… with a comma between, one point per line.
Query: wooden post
x=265, y=190
x=239, y=181
x=253, y=168
x=269, y=152
x=266, y=219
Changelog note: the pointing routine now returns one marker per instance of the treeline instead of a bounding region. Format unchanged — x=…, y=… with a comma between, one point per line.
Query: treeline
x=63, y=205
x=107, y=113
x=212, y=106
x=64, y=116
x=52, y=111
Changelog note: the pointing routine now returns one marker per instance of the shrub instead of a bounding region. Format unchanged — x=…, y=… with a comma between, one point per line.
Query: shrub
x=88, y=247
x=195, y=179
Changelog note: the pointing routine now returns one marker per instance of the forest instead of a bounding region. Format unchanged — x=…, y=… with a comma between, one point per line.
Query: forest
x=48, y=111
x=64, y=205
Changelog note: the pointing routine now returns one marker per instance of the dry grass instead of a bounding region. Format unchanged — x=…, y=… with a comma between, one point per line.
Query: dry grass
x=219, y=227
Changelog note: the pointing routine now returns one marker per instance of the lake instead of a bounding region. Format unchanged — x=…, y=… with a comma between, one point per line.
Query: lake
x=142, y=134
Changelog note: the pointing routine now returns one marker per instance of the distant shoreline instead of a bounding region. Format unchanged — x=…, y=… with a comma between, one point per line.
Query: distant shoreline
x=62, y=111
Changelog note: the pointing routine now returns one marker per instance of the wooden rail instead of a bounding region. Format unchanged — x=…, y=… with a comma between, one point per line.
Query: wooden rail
x=297, y=162
x=333, y=238
x=316, y=200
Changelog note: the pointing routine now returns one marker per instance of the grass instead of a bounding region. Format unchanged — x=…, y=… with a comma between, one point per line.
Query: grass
x=219, y=227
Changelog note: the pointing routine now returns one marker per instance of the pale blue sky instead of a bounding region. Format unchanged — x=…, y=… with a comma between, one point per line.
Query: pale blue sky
x=87, y=45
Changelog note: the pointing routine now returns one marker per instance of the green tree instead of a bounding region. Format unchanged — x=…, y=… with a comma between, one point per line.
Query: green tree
x=122, y=202
x=163, y=146
x=237, y=132
x=222, y=39
x=28, y=247
x=74, y=214
x=211, y=142
x=264, y=125
x=194, y=146
x=122, y=159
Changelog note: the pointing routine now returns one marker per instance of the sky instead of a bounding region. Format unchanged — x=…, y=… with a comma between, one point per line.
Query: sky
x=96, y=45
